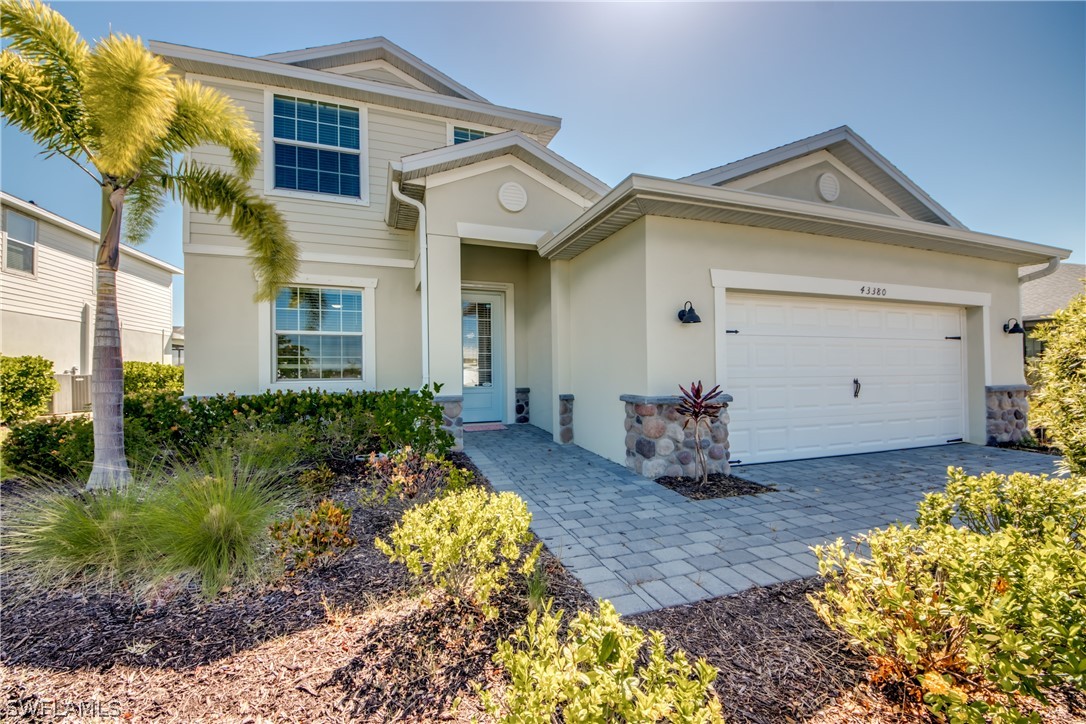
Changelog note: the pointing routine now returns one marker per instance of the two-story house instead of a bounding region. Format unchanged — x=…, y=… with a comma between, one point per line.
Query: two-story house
x=47, y=289
x=443, y=241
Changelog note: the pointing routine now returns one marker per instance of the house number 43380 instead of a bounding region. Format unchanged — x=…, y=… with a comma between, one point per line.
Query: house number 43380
x=873, y=291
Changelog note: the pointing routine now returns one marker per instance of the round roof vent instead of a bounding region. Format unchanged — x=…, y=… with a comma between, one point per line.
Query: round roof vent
x=512, y=196
x=829, y=188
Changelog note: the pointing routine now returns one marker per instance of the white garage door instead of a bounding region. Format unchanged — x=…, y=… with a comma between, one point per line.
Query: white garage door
x=813, y=377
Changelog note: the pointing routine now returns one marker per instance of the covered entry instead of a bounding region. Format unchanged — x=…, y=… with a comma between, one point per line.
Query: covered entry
x=817, y=376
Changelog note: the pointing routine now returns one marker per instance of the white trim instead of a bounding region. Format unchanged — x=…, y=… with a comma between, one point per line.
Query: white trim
x=381, y=64
x=363, y=150
x=506, y=289
x=234, y=251
x=536, y=123
x=825, y=287
x=503, y=234
x=451, y=125
x=266, y=338
x=495, y=164
x=771, y=174
x=29, y=209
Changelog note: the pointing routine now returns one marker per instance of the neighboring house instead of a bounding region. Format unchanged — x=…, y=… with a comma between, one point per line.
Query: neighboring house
x=442, y=241
x=47, y=287
x=1042, y=297
x=177, y=346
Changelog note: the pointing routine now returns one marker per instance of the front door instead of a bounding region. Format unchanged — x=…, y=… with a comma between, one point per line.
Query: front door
x=482, y=335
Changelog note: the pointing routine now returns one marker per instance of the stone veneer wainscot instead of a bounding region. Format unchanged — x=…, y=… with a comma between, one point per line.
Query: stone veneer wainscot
x=1007, y=413
x=658, y=443
x=452, y=421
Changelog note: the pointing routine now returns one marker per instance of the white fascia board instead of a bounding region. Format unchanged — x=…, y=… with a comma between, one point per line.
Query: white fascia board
x=294, y=72
x=25, y=207
x=379, y=42
x=760, y=161
x=416, y=165
x=700, y=196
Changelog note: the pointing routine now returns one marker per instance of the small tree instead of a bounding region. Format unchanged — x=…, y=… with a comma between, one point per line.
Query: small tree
x=1060, y=399
x=699, y=407
x=117, y=112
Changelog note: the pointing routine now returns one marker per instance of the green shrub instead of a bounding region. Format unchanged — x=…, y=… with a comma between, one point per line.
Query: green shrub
x=286, y=447
x=58, y=536
x=1059, y=402
x=62, y=448
x=27, y=385
x=210, y=520
x=314, y=537
x=466, y=543
x=595, y=674
x=977, y=618
x=140, y=377
x=317, y=480
x=991, y=502
x=408, y=475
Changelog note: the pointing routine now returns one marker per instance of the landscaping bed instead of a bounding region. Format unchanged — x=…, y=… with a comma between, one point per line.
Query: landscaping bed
x=720, y=485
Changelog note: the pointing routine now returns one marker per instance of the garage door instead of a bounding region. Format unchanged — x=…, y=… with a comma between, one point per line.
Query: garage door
x=813, y=377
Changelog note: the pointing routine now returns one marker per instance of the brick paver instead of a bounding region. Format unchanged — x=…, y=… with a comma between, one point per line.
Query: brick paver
x=644, y=546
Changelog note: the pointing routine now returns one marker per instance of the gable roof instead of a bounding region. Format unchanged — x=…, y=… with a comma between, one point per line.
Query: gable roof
x=855, y=152
x=338, y=55
x=284, y=75
x=638, y=196
x=418, y=166
x=1042, y=297
x=32, y=209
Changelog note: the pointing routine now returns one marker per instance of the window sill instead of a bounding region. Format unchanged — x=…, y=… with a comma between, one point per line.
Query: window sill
x=308, y=196
x=329, y=385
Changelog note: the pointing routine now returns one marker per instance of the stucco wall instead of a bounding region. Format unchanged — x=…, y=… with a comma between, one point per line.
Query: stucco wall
x=680, y=254
x=57, y=340
x=607, y=337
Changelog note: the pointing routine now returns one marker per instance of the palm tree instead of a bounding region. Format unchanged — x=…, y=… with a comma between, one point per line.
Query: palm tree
x=116, y=112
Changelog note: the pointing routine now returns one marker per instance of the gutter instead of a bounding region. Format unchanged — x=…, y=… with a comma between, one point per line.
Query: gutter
x=424, y=285
x=1053, y=265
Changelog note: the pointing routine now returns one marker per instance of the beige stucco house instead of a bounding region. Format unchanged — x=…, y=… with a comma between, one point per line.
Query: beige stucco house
x=841, y=307
x=47, y=290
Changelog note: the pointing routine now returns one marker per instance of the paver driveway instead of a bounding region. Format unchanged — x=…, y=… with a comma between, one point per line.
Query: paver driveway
x=644, y=546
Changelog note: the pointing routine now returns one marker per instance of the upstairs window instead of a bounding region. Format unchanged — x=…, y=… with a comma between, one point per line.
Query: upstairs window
x=22, y=233
x=318, y=147
x=463, y=135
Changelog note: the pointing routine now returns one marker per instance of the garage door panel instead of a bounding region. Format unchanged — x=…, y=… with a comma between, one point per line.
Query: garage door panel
x=791, y=371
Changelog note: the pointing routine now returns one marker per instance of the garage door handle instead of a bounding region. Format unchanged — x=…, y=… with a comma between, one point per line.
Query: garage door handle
x=856, y=387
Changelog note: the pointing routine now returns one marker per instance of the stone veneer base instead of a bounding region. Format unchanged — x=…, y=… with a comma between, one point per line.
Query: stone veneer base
x=658, y=443
x=1007, y=409
x=452, y=420
x=565, y=419
x=523, y=413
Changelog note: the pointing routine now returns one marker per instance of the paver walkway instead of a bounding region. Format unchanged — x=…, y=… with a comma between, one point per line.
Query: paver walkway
x=644, y=546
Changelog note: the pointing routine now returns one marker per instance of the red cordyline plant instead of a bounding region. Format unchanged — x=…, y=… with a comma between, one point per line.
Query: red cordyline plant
x=698, y=406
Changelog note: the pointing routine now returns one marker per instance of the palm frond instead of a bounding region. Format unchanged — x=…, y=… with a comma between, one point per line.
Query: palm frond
x=272, y=251
x=26, y=100
x=44, y=37
x=145, y=199
x=205, y=115
x=129, y=100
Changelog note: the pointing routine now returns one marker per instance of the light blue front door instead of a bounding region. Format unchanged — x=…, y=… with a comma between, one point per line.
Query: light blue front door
x=482, y=334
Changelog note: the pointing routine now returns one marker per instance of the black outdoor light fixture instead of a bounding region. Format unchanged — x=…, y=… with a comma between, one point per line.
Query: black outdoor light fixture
x=687, y=315
x=1014, y=328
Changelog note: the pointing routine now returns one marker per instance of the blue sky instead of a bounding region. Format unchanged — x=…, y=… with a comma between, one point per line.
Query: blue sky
x=982, y=104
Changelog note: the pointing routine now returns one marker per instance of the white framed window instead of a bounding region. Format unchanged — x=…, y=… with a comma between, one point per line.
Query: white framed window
x=319, y=333
x=21, y=241
x=317, y=149
x=463, y=134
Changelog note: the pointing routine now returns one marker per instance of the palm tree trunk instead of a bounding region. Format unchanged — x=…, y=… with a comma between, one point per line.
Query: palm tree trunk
x=107, y=383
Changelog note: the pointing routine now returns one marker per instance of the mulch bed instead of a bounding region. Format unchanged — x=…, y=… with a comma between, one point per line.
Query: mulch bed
x=720, y=485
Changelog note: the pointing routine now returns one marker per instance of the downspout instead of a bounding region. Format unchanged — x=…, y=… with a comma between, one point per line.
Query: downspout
x=1053, y=265
x=423, y=274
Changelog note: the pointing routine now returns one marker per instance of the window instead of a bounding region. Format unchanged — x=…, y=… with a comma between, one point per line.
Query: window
x=22, y=238
x=317, y=147
x=463, y=135
x=318, y=334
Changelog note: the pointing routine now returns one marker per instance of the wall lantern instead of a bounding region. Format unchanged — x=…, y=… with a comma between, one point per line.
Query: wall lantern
x=687, y=315
x=1014, y=328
